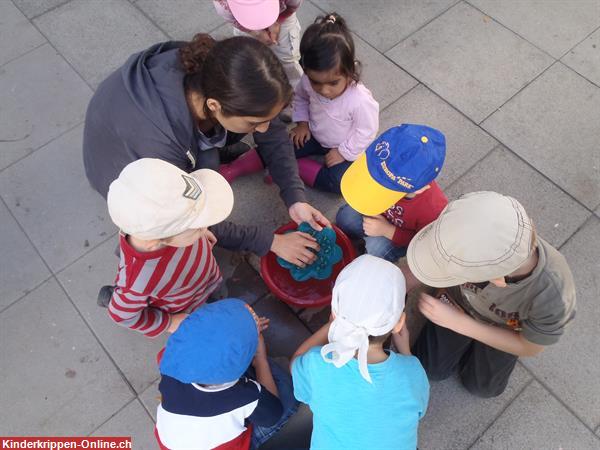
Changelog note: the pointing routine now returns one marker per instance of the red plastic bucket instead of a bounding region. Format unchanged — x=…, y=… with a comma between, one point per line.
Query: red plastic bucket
x=304, y=294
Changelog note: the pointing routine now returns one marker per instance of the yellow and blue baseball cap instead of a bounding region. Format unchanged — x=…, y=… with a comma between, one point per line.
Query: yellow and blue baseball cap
x=400, y=161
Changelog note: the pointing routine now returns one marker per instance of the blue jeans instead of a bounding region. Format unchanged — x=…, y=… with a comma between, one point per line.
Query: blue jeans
x=283, y=381
x=329, y=178
x=351, y=223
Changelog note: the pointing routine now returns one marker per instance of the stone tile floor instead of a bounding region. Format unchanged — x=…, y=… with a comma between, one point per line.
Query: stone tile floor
x=514, y=84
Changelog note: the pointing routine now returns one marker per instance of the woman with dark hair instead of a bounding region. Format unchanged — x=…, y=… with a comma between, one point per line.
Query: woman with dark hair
x=182, y=103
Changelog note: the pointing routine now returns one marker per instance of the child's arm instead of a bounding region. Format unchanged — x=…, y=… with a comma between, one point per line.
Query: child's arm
x=319, y=338
x=402, y=341
x=130, y=309
x=262, y=368
x=448, y=316
x=301, y=102
x=365, y=123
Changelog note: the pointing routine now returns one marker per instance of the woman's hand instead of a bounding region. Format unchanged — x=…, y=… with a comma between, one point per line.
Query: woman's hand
x=300, y=134
x=378, y=226
x=333, y=157
x=295, y=248
x=303, y=212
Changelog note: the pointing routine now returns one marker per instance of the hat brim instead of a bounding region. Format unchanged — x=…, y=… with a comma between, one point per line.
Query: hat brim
x=257, y=16
x=423, y=264
x=219, y=198
x=363, y=193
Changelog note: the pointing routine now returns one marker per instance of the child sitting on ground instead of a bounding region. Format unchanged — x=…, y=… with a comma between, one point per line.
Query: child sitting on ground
x=166, y=268
x=361, y=395
x=390, y=190
x=207, y=401
x=335, y=113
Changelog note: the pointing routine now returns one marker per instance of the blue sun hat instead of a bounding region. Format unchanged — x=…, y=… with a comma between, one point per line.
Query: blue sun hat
x=213, y=345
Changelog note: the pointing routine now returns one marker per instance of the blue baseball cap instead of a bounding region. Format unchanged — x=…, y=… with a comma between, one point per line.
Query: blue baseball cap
x=400, y=161
x=213, y=345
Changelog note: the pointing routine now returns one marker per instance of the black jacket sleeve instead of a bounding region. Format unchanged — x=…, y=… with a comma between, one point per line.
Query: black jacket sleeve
x=275, y=148
x=236, y=237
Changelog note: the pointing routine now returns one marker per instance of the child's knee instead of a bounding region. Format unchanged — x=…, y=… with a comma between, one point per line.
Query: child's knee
x=349, y=220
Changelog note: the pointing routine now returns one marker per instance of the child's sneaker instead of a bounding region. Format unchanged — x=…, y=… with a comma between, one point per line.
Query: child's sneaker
x=104, y=296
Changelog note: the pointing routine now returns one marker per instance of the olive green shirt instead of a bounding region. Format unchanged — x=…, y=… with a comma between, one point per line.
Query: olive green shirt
x=539, y=306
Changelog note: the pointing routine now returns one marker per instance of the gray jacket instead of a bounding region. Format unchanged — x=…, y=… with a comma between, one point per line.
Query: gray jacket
x=140, y=111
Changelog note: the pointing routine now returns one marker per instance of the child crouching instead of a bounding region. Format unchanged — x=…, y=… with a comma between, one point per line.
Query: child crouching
x=361, y=395
x=166, y=268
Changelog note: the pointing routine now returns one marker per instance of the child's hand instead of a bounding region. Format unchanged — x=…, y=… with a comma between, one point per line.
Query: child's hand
x=273, y=32
x=263, y=324
x=176, y=320
x=333, y=157
x=402, y=340
x=262, y=35
x=442, y=314
x=300, y=134
x=261, y=351
x=212, y=239
x=378, y=226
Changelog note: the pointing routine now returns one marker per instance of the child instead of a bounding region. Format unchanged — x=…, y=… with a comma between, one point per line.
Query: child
x=336, y=115
x=207, y=400
x=391, y=192
x=367, y=397
x=166, y=266
x=274, y=23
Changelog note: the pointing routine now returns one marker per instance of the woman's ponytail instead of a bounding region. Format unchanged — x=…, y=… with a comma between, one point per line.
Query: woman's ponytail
x=193, y=53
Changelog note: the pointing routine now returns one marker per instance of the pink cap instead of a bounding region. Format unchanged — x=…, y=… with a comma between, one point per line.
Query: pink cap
x=254, y=14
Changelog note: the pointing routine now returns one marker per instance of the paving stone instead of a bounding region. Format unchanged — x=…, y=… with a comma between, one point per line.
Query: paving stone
x=384, y=23
x=553, y=124
x=571, y=368
x=57, y=208
x=315, y=318
x=134, y=353
x=38, y=104
x=54, y=373
x=466, y=143
x=286, y=332
x=17, y=35
x=97, y=37
x=295, y=434
x=537, y=420
x=246, y=283
x=223, y=32
x=133, y=421
x=555, y=27
x=182, y=19
x=471, y=61
x=585, y=58
x=150, y=398
x=386, y=80
x=33, y=8
x=455, y=418
x=25, y=270
x=555, y=214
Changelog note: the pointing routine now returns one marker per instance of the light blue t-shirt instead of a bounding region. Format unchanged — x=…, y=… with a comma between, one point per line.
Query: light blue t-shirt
x=351, y=413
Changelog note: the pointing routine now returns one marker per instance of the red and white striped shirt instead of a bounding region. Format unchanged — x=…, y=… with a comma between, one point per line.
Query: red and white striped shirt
x=152, y=285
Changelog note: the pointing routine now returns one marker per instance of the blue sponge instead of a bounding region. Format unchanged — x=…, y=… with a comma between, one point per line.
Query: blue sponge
x=328, y=256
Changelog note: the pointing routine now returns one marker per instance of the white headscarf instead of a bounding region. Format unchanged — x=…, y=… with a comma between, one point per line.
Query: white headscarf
x=367, y=300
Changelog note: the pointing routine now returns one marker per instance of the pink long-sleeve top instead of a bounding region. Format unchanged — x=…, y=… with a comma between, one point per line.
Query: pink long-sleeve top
x=348, y=122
